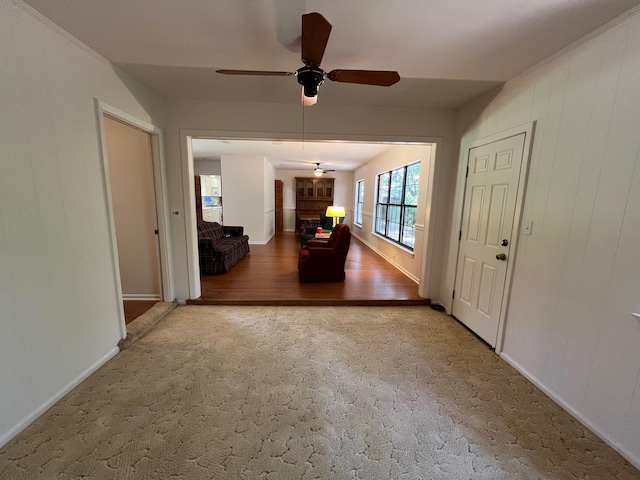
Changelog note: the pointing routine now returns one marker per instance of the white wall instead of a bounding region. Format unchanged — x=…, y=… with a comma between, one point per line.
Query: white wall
x=577, y=277
x=243, y=193
x=59, y=312
x=408, y=262
x=279, y=121
x=269, y=200
x=206, y=166
x=342, y=194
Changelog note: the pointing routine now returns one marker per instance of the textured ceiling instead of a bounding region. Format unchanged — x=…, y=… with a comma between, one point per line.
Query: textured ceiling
x=446, y=51
x=295, y=155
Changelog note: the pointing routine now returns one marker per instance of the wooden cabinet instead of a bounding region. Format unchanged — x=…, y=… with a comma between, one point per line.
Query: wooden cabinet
x=198, y=187
x=313, y=195
x=314, y=188
x=278, y=206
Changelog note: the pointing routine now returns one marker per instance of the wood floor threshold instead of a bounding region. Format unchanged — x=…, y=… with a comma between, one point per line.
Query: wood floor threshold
x=314, y=303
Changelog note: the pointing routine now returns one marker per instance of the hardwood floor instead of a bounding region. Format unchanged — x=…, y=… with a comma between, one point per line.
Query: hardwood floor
x=134, y=308
x=269, y=276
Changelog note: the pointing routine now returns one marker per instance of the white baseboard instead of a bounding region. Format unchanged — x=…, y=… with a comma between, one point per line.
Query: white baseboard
x=29, y=419
x=141, y=296
x=262, y=242
x=630, y=457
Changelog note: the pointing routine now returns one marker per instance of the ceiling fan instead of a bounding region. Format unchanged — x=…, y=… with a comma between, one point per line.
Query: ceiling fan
x=315, y=35
x=319, y=171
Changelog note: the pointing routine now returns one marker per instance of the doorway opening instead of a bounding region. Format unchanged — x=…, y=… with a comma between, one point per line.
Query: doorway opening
x=254, y=150
x=132, y=167
x=134, y=213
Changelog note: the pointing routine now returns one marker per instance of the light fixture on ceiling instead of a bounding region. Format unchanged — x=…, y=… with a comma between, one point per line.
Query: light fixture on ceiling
x=310, y=78
x=318, y=172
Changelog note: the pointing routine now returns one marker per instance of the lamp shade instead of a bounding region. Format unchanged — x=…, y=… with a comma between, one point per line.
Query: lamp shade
x=335, y=212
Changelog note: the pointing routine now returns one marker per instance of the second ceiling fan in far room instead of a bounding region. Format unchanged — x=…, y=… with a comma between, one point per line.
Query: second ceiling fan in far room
x=319, y=171
x=315, y=35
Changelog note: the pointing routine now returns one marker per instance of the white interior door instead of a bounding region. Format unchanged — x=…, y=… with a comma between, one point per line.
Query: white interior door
x=486, y=235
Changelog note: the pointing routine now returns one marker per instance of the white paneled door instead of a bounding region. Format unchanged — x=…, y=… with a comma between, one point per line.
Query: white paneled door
x=486, y=234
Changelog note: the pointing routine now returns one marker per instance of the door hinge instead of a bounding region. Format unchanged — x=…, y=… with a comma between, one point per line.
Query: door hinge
x=460, y=236
x=467, y=173
x=454, y=294
x=156, y=231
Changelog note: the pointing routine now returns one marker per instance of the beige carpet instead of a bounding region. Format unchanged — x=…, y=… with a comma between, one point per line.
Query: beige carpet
x=308, y=392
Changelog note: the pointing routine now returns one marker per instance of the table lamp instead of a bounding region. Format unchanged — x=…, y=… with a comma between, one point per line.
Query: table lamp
x=335, y=212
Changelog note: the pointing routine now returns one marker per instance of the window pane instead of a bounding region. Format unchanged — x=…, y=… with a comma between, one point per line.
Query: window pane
x=413, y=173
x=409, y=231
x=397, y=184
x=409, y=236
x=412, y=188
x=359, y=202
x=393, y=223
x=409, y=216
x=397, y=204
x=381, y=219
x=383, y=188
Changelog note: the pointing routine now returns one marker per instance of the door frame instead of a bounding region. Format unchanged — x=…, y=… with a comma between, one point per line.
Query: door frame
x=425, y=285
x=528, y=130
x=160, y=189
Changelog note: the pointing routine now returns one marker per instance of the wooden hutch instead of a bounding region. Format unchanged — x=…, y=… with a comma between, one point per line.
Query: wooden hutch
x=313, y=195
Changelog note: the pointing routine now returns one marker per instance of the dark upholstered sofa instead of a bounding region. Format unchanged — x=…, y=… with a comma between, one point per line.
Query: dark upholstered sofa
x=220, y=247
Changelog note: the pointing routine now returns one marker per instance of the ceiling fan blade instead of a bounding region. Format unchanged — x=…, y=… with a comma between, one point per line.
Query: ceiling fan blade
x=255, y=72
x=315, y=35
x=381, y=78
x=324, y=170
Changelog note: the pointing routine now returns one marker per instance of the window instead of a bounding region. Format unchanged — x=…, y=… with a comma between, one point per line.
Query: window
x=397, y=203
x=359, y=202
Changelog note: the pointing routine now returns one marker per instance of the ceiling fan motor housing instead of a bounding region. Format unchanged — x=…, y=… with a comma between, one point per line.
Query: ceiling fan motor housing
x=310, y=78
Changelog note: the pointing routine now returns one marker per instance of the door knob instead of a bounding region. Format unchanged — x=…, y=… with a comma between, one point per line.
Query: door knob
x=504, y=242
x=501, y=256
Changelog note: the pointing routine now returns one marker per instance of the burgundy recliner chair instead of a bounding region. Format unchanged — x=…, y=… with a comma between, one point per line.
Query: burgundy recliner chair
x=324, y=261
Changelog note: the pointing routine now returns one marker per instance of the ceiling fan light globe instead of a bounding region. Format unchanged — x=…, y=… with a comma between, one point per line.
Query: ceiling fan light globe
x=318, y=172
x=307, y=101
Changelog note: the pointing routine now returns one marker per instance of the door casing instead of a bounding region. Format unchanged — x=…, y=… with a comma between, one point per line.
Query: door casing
x=157, y=154
x=528, y=130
